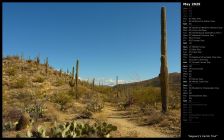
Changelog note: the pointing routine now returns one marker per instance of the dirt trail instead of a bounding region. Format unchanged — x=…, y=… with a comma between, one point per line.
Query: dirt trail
x=126, y=128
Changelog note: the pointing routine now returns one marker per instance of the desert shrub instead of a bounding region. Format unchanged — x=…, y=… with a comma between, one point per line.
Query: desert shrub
x=13, y=114
x=11, y=71
x=147, y=109
x=62, y=99
x=24, y=96
x=39, y=79
x=125, y=104
x=154, y=118
x=4, y=93
x=59, y=82
x=40, y=94
x=20, y=83
x=15, y=57
x=82, y=90
x=164, y=123
x=36, y=110
x=95, y=105
x=174, y=100
x=84, y=115
x=149, y=95
x=40, y=132
x=73, y=130
x=71, y=92
x=52, y=114
x=29, y=60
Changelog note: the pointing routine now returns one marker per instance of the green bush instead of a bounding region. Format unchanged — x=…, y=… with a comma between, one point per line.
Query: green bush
x=74, y=130
x=59, y=82
x=95, y=105
x=62, y=99
x=39, y=79
x=36, y=110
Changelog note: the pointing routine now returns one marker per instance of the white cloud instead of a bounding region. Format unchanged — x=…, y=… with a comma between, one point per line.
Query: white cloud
x=107, y=81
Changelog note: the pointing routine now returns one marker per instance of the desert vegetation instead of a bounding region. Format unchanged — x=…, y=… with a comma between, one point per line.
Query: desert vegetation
x=42, y=102
x=38, y=101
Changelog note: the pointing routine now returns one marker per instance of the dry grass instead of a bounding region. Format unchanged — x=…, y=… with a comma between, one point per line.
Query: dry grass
x=11, y=71
x=22, y=88
x=39, y=79
x=19, y=83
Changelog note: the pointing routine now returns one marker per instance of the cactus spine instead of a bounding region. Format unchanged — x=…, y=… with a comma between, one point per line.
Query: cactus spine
x=76, y=77
x=164, y=67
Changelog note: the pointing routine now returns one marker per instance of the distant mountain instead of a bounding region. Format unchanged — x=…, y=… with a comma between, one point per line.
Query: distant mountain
x=174, y=82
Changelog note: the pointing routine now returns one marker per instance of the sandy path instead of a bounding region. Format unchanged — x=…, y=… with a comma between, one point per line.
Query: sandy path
x=126, y=128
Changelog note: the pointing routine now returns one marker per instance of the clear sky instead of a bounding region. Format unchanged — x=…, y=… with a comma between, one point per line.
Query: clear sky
x=109, y=39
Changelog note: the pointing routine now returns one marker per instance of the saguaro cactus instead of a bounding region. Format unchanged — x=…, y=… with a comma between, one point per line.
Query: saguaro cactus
x=76, y=78
x=67, y=72
x=60, y=72
x=21, y=57
x=117, y=85
x=164, y=68
x=38, y=59
x=93, y=83
x=46, y=64
x=73, y=71
x=71, y=82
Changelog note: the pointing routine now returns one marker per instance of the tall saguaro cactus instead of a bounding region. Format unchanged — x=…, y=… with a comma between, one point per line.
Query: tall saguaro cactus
x=76, y=78
x=164, y=68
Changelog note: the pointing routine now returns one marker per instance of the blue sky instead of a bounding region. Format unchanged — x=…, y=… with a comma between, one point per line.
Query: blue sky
x=109, y=39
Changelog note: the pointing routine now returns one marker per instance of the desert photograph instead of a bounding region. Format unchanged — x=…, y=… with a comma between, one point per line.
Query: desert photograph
x=91, y=70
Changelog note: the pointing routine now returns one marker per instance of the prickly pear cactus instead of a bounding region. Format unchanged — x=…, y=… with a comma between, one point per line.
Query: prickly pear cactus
x=74, y=130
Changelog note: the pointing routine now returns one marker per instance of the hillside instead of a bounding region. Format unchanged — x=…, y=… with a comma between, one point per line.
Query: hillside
x=174, y=82
x=174, y=79
x=46, y=96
